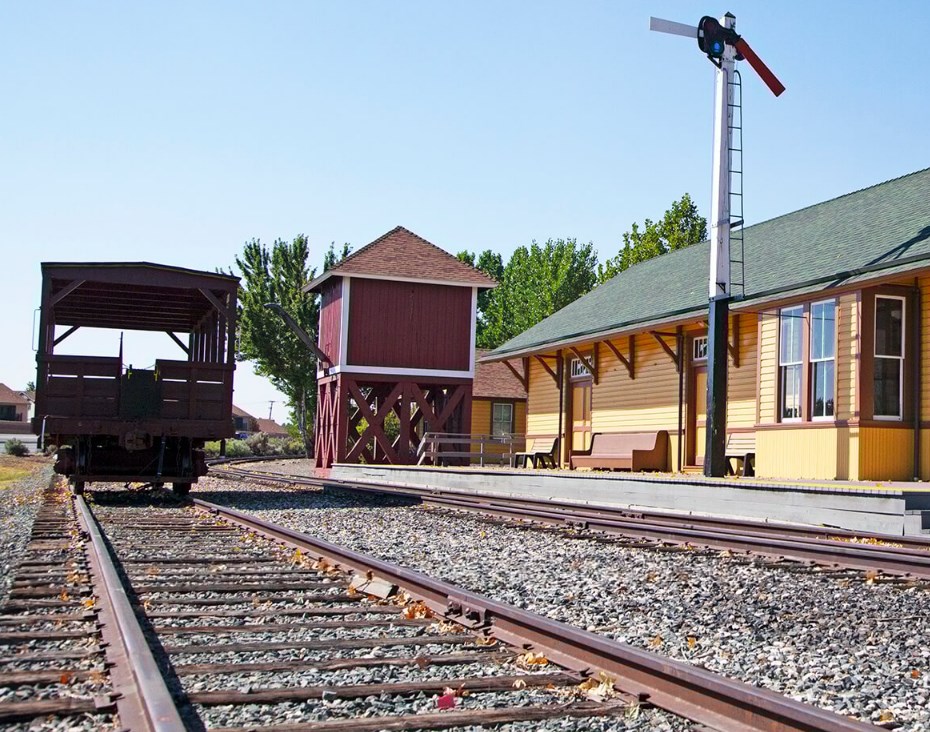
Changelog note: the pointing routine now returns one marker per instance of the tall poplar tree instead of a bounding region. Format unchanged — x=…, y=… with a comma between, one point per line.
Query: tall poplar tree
x=278, y=274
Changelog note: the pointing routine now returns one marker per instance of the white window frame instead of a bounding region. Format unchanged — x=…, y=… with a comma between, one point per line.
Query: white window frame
x=899, y=359
x=509, y=405
x=699, y=349
x=782, y=364
x=578, y=370
x=813, y=360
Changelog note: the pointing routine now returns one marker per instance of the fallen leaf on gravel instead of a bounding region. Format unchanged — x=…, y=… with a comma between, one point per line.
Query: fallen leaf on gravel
x=871, y=576
x=886, y=716
x=485, y=640
x=656, y=642
x=65, y=678
x=915, y=674
x=417, y=610
x=519, y=684
x=598, y=689
x=692, y=641
x=64, y=596
x=532, y=659
x=446, y=700
x=98, y=677
x=421, y=661
x=89, y=602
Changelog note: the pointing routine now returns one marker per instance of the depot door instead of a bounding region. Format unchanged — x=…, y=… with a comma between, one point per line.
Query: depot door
x=581, y=415
x=696, y=428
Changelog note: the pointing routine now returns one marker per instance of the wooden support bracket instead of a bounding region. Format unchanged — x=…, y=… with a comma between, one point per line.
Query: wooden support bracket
x=178, y=341
x=629, y=363
x=660, y=339
x=220, y=306
x=552, y=373
x=523, y=378
x=68, y=289
x=68, y=332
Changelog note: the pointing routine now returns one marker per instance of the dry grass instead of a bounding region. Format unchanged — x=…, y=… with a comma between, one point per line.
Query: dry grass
x=17, y=468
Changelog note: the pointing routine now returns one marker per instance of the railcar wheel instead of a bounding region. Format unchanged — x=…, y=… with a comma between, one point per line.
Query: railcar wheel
x=79, y=487
x=181, y=489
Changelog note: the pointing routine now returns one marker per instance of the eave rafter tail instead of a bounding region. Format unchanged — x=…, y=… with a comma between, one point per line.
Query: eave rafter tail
x=673, y=353
x=628, y=362
x=522, y=377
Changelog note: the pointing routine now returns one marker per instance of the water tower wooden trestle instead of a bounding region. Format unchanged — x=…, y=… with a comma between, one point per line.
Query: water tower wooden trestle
x=397, y=323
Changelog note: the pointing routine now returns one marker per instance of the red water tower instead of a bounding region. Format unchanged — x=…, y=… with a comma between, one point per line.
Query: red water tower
x=397, y=328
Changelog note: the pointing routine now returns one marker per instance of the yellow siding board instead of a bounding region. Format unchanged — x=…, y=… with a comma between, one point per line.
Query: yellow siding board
x=543, y=402
x=741, y=382
x=847, y=359
x=768, y=366
x=886, y=453
x=811, y=454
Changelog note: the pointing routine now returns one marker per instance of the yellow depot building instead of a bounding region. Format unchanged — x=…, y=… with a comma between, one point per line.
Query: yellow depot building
x=829, y=349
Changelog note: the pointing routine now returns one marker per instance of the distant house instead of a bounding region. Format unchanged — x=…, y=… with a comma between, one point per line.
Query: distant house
x=14, y=411
x=245, y=423
x=271, y=428
x=498, y=405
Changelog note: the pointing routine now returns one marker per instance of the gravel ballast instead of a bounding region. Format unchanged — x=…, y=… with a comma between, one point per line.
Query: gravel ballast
x=854, y=647
x=19, y=501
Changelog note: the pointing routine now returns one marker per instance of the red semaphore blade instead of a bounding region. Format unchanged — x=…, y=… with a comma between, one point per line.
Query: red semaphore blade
x=771, y=81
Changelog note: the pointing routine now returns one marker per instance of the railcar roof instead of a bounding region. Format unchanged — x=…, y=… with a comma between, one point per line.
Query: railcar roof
x=133, y=295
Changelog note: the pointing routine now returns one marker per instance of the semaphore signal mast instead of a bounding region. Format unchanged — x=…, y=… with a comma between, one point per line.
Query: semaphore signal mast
x=724, y=47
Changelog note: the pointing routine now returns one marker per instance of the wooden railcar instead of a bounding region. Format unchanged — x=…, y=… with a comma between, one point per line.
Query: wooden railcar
x=117, y=423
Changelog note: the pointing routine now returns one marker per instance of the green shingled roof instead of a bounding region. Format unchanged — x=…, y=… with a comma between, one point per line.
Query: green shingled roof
x=860, y=236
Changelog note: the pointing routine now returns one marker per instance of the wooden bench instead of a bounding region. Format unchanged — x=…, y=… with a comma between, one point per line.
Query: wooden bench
x=627, y=450
x=741, y=446
x=541, y=451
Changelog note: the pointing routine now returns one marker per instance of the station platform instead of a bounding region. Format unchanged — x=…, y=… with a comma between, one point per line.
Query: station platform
x=891, y=508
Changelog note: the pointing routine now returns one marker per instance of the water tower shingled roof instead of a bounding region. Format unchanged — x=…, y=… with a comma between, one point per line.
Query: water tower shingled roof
x=401, y=254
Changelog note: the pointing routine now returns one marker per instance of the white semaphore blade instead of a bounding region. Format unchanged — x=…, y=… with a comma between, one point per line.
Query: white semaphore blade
x=670, y=26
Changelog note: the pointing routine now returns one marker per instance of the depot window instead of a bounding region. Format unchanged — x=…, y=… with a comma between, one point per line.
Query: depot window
x=790, y=362
x=822, y=358
x=888, y=375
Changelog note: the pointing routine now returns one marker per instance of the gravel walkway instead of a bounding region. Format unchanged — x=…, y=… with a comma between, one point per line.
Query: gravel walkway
x=19, y=500
x=855, y=648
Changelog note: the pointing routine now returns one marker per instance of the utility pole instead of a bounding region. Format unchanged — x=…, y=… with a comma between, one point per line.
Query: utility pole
x=720, y=42
x=270, y=405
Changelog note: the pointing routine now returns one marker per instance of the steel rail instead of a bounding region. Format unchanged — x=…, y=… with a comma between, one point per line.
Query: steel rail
x=685, y=690
x=798, y=543
x=144, y=702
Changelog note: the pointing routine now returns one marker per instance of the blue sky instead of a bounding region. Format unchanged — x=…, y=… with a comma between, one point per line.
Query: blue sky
x=174, y=132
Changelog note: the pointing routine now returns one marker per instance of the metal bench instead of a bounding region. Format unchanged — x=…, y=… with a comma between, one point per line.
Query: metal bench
x=542, y=450
x=741, y=446
x=625, y=450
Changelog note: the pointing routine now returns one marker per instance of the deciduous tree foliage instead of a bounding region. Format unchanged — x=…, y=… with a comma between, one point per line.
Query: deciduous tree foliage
x=278, y=274
x=680, y=227
x=536, y=281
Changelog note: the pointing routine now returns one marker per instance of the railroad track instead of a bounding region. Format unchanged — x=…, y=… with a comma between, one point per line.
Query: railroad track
x=64, y=662
x=253, y=626
x=897, y=556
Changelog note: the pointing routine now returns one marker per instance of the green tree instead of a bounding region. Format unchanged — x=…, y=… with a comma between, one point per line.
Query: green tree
x=278, y=275
x=331, y=258
x=537, y=281
x=492, y=264
x=680, y=227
